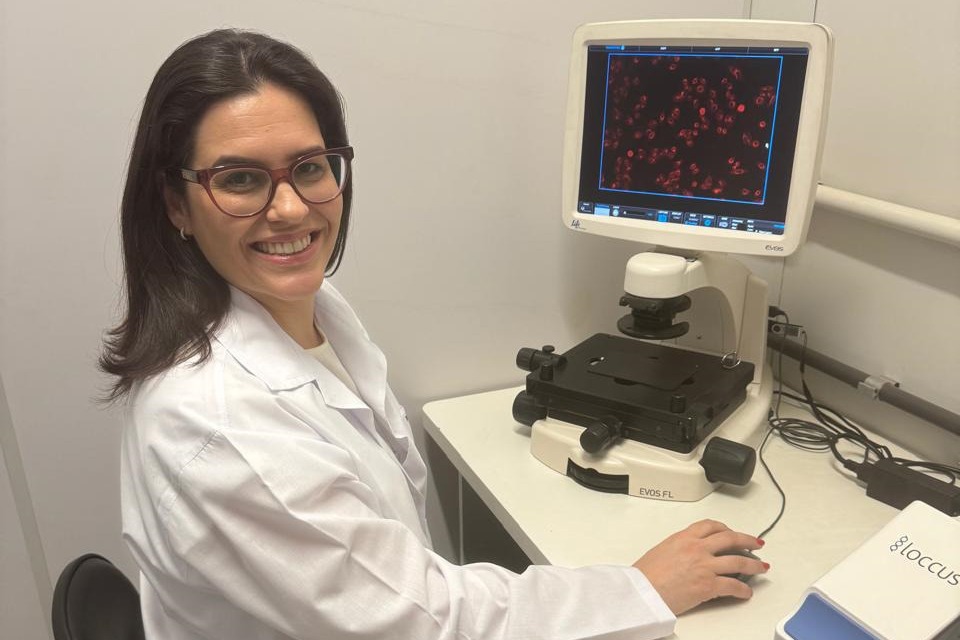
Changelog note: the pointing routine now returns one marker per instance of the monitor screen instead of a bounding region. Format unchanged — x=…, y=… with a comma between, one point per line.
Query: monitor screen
x=694, y=136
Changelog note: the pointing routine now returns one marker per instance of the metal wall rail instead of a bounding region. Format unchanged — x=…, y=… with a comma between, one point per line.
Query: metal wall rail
x=876, y=386
x=916, y=221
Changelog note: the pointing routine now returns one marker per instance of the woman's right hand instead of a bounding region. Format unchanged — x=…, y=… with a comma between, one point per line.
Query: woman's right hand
x=688, y=568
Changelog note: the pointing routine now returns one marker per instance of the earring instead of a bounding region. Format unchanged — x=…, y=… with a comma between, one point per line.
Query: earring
x=183, y=234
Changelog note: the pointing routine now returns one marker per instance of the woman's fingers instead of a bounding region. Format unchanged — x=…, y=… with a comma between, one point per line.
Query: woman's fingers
x=730, y=541
x=737, y=564
x=696, y=564
x=732, y=588
x=705, y=528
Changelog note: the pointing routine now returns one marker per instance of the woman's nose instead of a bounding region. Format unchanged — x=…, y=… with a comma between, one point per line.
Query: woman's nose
x=287, y=205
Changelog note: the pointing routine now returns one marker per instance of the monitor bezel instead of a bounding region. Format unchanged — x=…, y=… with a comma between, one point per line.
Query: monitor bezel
x=725, y=33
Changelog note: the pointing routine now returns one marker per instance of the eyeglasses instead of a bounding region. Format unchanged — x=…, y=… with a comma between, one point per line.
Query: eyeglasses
x=242, y=191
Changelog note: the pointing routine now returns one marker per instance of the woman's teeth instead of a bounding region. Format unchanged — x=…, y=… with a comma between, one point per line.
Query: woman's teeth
x=284, y=248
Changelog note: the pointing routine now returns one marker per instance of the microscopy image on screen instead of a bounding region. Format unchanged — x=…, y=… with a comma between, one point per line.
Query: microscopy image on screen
x=698, y=126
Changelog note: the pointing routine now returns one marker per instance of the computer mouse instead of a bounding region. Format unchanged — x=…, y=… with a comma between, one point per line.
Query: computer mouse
x=742, y=577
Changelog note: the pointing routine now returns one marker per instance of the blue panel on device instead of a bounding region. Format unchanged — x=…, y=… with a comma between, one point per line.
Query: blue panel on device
x=816, y=620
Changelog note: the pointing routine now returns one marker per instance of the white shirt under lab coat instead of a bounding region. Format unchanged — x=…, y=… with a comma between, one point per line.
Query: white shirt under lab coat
x=262, y=499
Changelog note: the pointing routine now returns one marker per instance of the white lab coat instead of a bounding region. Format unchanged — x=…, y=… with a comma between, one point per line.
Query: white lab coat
x=262, y=499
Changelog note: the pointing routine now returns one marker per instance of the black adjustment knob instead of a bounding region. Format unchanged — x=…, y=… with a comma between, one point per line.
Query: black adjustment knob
x=600, y=434
x=531, y=359
x=728, y=461
x=525, y=358
x=526, y=409
x=546, y=371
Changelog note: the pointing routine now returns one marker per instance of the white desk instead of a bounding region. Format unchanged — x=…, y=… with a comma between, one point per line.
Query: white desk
x=556, y=521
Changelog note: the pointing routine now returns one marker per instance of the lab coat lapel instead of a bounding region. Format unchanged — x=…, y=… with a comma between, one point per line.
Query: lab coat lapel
x=252, y=336
x=365, y=363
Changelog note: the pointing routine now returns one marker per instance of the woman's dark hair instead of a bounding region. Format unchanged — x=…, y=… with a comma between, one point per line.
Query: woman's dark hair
x=174, y=298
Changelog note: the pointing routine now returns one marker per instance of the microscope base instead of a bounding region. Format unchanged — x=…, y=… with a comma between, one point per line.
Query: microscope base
x=645, y=470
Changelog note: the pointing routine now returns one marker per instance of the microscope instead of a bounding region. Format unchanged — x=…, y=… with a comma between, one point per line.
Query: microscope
x=669, y=420
x=701, y=138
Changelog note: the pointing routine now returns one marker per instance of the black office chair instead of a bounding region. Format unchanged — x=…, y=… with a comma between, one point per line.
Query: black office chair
x=93, y=600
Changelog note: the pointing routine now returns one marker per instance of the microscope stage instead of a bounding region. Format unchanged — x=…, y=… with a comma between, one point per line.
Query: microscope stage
x=656, y=394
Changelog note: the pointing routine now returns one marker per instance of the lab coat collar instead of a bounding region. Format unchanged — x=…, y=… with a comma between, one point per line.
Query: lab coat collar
x=253, y=337
x=362, y=359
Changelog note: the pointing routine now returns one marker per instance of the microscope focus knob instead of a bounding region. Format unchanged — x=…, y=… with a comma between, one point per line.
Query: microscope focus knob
x=728, y=461
x=526, y=409
x=600, y=434
x=530, y=359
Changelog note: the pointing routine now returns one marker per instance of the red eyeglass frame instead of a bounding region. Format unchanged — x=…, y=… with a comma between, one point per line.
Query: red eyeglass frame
x=203, y=176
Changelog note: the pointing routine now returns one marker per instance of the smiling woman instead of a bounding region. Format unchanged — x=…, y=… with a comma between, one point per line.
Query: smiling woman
x=175, y=296
x=264, y=238
x=270, y=484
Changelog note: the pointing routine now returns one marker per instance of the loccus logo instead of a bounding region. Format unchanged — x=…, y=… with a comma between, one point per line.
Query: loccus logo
x=905, y=547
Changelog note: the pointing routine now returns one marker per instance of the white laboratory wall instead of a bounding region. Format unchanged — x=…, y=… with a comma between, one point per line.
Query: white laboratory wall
x=457, y=257
x=886, y=302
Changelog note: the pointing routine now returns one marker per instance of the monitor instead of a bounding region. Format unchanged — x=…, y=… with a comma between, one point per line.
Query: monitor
x=699, y=135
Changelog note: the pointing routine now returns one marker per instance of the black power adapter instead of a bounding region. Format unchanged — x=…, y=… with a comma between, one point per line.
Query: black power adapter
x=898, y=485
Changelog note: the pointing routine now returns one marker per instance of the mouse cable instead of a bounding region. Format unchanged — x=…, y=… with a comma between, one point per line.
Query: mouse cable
x=783, y=496
x=772, y=416
x=802, y=434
